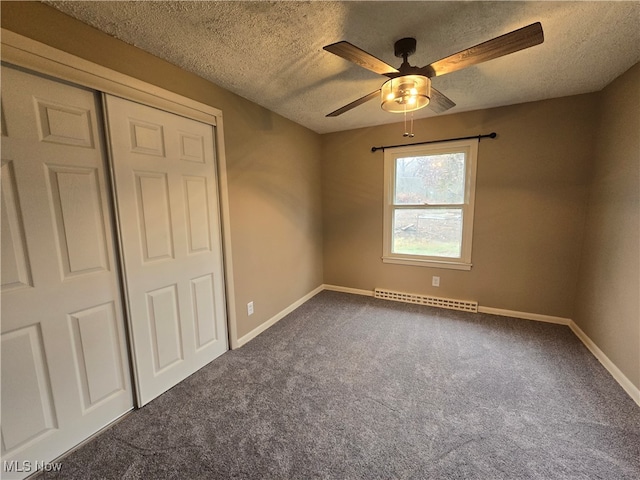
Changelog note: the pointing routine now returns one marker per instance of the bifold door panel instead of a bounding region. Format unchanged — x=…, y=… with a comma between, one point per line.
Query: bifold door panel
x=65, y=370
x=65, y=356
x=167, y=205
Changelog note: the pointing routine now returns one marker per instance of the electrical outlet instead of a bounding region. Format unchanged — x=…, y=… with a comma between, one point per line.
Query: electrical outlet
x=250, y=308
x=435, y=281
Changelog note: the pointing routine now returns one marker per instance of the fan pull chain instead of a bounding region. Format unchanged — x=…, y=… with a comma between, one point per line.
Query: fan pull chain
x=409, y=134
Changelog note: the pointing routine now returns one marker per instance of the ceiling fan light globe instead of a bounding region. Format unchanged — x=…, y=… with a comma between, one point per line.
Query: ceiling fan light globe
x=406, y=93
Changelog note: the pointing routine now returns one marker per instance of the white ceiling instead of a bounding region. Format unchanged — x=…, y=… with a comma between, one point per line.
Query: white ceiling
x=271, y=52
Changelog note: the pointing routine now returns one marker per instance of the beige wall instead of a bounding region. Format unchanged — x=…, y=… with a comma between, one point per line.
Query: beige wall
x=529, y=211
x=273, y=166
x=607, y=306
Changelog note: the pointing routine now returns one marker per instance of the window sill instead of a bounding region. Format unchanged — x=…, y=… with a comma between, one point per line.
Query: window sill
x=428, y=263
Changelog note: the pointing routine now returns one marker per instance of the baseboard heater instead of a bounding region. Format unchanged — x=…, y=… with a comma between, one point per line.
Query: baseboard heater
x=450, y=303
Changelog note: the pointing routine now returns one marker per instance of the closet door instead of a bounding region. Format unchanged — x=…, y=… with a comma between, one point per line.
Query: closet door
x=65, y=371
x=167, y=203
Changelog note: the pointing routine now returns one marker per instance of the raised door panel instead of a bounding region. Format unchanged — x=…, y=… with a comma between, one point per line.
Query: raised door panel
x=28, y=412
x=78, y=218
x=197, y=206
x=191, y=147
x=202, y=294
x=164, y=327
x=146, y=138
x=16, y=271
x=64, y=124
x=98, y=355
x=154, y=216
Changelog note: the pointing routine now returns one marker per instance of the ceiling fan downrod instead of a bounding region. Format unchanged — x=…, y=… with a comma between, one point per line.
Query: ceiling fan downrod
x=404, y=48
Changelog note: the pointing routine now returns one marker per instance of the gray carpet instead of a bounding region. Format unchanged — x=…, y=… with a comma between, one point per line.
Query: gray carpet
x=351, y=387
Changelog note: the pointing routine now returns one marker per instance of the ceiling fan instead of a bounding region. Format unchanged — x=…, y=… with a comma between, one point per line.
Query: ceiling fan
x=409, y=88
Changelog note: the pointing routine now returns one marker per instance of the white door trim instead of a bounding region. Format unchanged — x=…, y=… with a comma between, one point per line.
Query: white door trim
x=39, y=57
x=28, y=53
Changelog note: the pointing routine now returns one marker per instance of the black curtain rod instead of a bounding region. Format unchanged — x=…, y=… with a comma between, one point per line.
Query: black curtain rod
x=489, y=135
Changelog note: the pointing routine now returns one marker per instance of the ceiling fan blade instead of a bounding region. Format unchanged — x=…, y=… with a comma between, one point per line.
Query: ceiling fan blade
x=520, y=39
x=354, y=104
x=360, y=57
x=439, y=101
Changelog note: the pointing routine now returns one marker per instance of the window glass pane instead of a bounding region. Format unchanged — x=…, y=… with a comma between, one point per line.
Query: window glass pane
x=433, y=179
x=433, y=232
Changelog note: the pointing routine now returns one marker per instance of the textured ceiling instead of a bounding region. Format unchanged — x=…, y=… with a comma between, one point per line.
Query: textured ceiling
x=271, y=52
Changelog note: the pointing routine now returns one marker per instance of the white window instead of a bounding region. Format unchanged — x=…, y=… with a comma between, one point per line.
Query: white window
x=429, y=197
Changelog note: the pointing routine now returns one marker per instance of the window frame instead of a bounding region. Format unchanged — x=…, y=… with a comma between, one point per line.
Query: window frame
x=470, y=148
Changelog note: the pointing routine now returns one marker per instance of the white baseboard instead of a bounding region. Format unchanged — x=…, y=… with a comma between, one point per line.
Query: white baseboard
x=615, y=372
x=525, y=315
x=355, y=291
x=276, y=318
x=621, y=378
